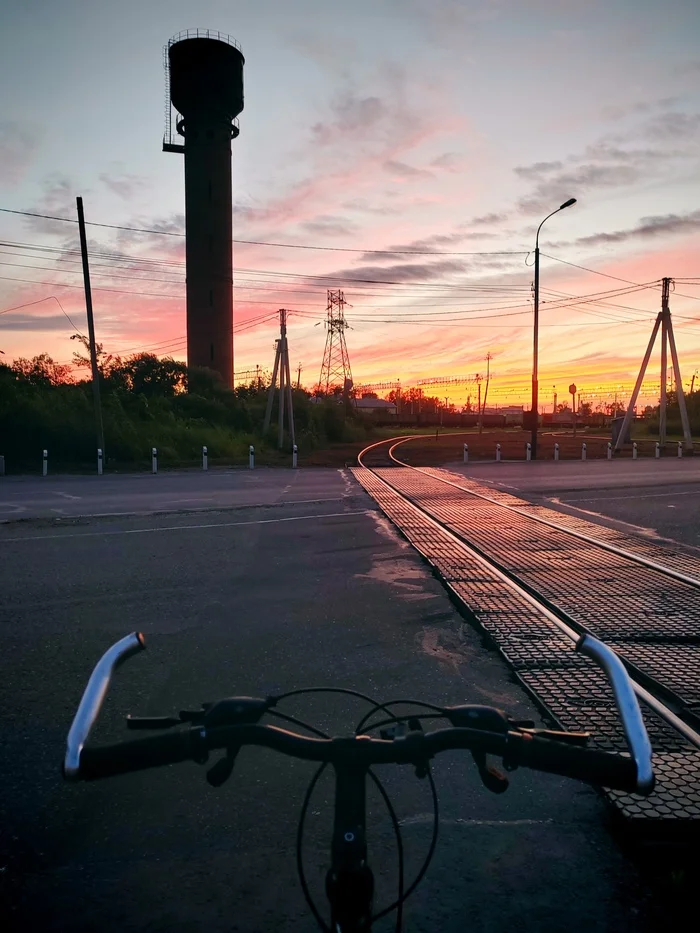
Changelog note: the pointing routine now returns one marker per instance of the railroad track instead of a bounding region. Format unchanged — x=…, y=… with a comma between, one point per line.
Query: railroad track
x=533, y=580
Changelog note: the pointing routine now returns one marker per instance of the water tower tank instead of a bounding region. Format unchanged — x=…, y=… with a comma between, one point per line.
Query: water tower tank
x=206, y=88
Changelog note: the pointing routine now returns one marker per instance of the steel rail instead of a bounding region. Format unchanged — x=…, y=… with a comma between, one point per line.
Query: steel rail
x=620, y=552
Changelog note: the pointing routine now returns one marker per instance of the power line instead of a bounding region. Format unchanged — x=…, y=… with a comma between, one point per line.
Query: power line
x=594, y=271
x=337, y=249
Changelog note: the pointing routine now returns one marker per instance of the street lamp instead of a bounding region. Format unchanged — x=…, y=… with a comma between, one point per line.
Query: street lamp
x=535, y=400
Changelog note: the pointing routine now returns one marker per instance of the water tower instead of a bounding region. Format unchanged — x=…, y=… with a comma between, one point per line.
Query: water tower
x=204, y=82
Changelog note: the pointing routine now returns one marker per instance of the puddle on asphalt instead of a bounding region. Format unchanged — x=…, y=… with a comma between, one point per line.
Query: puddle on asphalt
x=388, y=531
x=432, y=643
x=400, y=574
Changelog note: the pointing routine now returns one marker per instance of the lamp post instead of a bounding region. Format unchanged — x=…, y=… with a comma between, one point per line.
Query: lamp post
x=535, y=400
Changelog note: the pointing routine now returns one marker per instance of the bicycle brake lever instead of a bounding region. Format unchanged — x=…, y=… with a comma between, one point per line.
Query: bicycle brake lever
x=569, y=738
x=492, y=779
x=219, y=773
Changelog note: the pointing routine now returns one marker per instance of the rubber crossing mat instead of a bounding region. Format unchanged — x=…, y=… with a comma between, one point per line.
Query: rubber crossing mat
x=567, y=686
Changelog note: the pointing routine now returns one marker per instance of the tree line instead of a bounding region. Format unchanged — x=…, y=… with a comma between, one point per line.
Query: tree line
x=147, y=402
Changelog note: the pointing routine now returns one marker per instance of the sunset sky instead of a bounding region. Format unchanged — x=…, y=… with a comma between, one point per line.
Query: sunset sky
x=438, y=131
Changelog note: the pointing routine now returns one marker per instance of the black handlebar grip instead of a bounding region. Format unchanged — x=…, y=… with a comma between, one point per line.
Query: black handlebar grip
x=585, y=764
x=136, y=755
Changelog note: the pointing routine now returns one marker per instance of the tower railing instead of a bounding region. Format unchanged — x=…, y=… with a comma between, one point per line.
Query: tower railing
x=204, y=34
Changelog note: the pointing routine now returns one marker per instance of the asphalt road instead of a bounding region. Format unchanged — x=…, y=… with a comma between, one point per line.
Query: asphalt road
x=657, y=498
x=144, y=493
x=256, y=599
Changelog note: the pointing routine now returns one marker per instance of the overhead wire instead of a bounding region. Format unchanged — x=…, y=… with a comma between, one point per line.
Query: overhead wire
x=337, y=249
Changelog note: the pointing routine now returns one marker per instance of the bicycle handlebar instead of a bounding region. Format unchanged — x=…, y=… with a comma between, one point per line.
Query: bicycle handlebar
x=516, y=748
x=234, y=722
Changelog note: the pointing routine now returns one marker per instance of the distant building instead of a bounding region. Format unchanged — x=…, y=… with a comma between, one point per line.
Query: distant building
x=512, y=413
x=375, y=406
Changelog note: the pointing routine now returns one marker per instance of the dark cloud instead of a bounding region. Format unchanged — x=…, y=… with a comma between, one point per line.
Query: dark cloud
x=123, y=184
x=14, y=321
x=394, y=167
x=560, y=187
x=173, y=223
x=57, y=200
x=486, y=220
x=673, y=126
x=401, y=272
x=606, y=152
x=620, y=111
x=648, y=227
x=329, y=227
x=18, y=143
x=351, y=115
x=537, y=169
x=364, y=206
x=449, y=161
x=438, y=243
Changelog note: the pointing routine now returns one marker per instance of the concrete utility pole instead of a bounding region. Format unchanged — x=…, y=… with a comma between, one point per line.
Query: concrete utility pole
x=489, y=357
x=535, y=352
x=91, y=331
x=285, y=385
x=663, y=320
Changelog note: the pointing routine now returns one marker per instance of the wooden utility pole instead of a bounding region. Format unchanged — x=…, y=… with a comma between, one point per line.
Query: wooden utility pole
x=91, y=332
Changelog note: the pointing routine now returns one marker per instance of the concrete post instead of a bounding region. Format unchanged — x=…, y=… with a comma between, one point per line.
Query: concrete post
x=45, y=463
x=154, y=460
x=466, y=453
x=680, y=448
x=583, y=451
x=2, y=465
x=657, y=450
x=99, y=461
x=498, y=453
x=556, y=451
x=295, y=451
x=205, y=458
x=634, y=451
x=251, y=457
x=609, y=450
x=528, y=451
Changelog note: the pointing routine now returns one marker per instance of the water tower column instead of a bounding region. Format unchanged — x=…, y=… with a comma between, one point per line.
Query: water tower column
x=209, y=235
x=205, y=79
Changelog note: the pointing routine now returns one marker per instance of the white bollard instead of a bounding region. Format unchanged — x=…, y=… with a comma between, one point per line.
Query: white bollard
x=556, y=451
x=634, y=451
x=251, y=457
x=528, y=451
x=657, y=450
x=99, y=461
x=295, y=451
x=609, y=450
x=583, y=451
x=466, y=453
x=498, y=453
x=205, y=458
x=45, y=463
x=680, y=448
x=154, y=460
